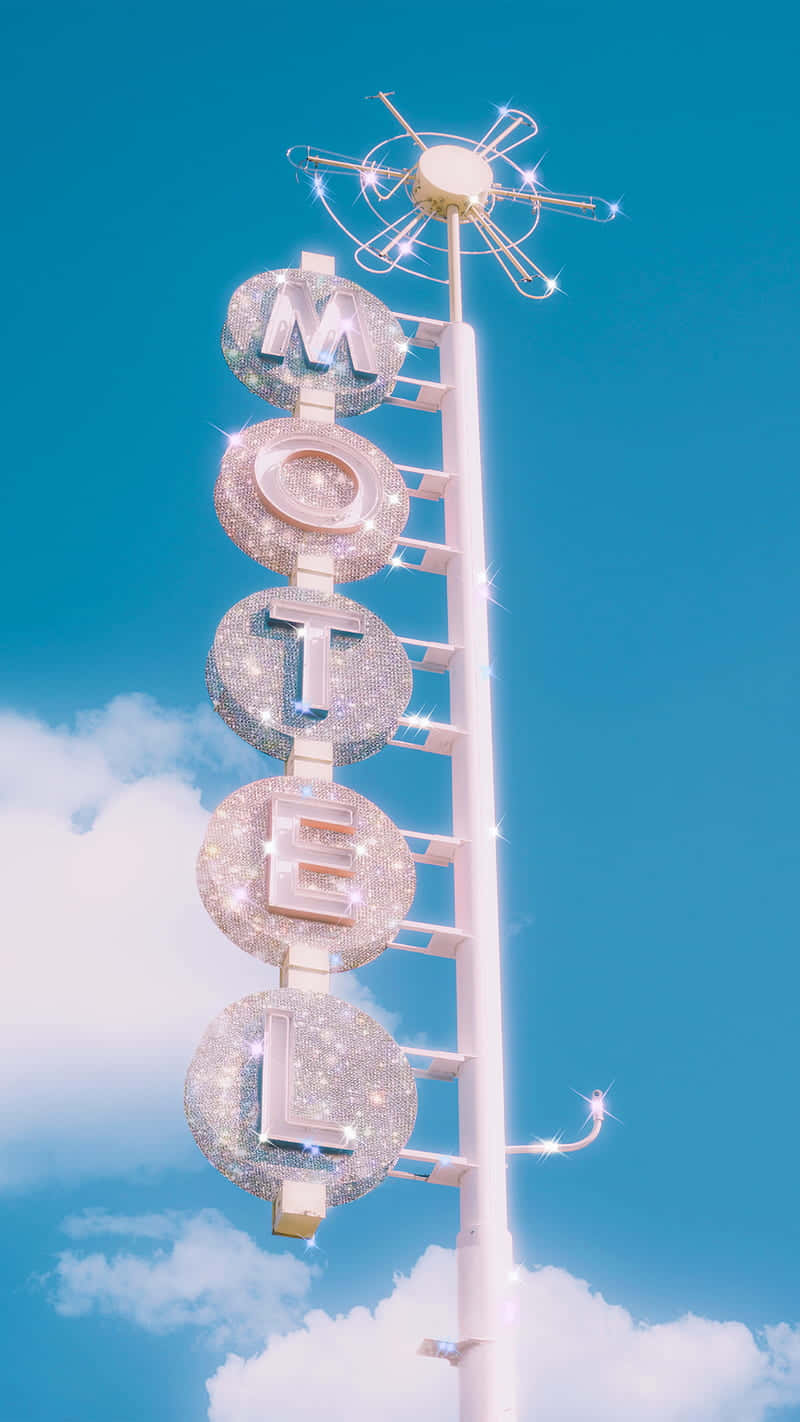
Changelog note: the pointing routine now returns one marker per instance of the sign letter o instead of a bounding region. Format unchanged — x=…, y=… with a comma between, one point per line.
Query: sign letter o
x=309, y=484
x=291, y=487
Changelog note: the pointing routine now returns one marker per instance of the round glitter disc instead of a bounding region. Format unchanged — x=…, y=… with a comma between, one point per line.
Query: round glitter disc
x=345, y=1070
x=240, y=885
x=336, y=496
x=364, y=331
x=256, y=669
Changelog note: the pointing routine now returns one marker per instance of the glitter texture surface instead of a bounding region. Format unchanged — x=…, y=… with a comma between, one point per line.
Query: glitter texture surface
x=232, y=875
x=278, y=379
x=347, y=1070
x=318, y=482
x=254, y=677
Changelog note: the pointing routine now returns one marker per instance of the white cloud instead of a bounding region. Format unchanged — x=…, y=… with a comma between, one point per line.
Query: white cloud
x=581, y=1359
x=209, y=1275
x=113, y=970
x=92, y=1223
x=112, y=966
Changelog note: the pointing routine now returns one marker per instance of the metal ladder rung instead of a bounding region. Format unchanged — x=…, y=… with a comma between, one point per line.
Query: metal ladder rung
x=430, y=394
x=447, y=1169
x=440, y=849
x=450, y=1351
x=435, y=556
x=429, y=330
x=439, y=736
x=442, y=1066
x=443, y=942
x=436, y=658
x=432, y=485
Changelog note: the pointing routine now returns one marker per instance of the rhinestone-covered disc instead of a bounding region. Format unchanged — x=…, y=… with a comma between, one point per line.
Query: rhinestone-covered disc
x=347, y=1071
x=254, y=674
x=278, y=379
x=317, y=481
x=233, y=878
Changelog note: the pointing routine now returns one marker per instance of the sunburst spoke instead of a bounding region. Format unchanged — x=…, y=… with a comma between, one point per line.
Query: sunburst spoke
x=517, y=117
x=403, y=178
x=482, y=142
x=394, y=231
x=510, y=246
x=509, y=129
x=385, y=99
x=584, y=204
x=430, y=176
x=503, y=244
x=496, y=253
x=508, y=254
x=585, y=207
x=321, y=160
x=518, y=142
x=406, y=234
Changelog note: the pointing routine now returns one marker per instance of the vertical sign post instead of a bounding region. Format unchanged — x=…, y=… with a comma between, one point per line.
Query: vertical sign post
x=484, y=1245
x=292, y=1094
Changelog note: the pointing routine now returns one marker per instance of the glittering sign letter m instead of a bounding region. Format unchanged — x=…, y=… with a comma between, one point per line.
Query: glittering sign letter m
x=321, y=334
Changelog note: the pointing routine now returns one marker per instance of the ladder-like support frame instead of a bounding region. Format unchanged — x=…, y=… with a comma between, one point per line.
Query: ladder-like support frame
x=484, y=1355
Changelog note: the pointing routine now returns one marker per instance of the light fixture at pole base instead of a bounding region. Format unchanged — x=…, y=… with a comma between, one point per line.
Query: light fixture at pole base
x=299, y=1209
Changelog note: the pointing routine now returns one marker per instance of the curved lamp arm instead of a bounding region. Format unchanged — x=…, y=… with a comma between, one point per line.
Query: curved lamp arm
x=556, y=1147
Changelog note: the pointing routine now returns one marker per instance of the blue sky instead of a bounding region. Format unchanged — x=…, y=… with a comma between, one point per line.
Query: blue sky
x=640, y=458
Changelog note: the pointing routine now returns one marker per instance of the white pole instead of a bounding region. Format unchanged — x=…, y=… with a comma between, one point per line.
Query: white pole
x=454, y=262
x=484, y=1253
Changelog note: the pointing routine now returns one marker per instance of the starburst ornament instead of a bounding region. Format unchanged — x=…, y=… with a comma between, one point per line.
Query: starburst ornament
x=413, y=180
